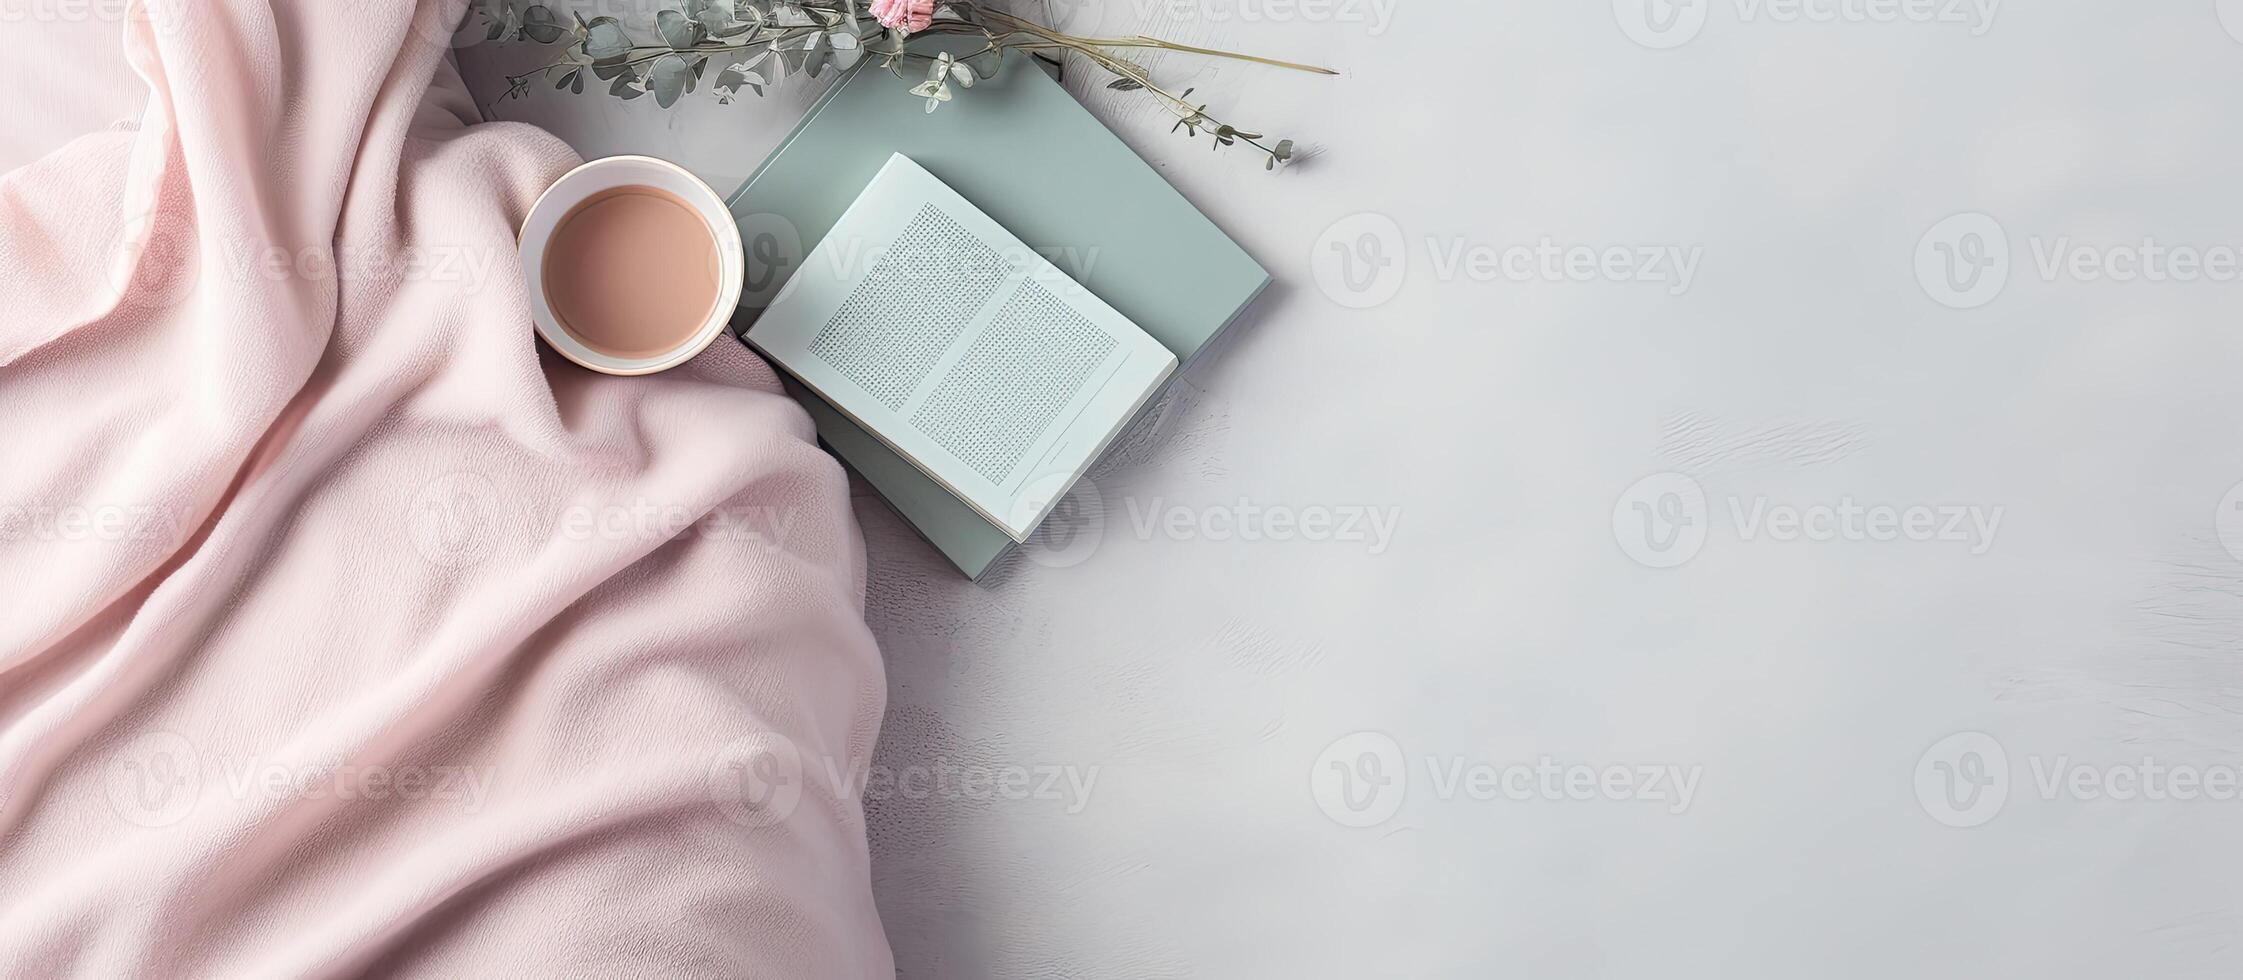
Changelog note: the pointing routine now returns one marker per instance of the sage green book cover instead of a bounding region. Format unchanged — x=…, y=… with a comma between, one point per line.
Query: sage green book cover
x=1021, y=149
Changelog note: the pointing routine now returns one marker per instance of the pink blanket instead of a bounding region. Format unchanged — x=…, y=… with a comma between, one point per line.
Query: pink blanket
x=346, y=630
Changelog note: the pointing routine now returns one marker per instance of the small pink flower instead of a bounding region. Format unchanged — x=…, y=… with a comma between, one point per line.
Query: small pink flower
x=908, y=16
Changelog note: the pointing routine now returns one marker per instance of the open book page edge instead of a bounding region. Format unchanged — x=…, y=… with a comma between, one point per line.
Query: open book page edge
x=1137, y=358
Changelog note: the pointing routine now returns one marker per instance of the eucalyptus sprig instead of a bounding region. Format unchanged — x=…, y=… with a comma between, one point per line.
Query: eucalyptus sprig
x=756, y=43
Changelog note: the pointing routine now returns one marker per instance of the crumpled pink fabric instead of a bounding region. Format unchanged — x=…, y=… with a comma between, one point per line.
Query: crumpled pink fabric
x=343, y=629
x=908, y=16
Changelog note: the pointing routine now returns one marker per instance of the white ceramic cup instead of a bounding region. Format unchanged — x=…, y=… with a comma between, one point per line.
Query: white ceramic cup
x=603, y=175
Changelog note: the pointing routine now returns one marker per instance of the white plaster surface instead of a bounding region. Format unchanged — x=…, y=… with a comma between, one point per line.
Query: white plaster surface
x=1199, y=691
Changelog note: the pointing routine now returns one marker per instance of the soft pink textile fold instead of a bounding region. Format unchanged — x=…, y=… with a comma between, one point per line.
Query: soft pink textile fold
x=343, y=629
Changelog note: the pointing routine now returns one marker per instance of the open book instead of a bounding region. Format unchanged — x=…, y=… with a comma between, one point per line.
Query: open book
x=965, y=351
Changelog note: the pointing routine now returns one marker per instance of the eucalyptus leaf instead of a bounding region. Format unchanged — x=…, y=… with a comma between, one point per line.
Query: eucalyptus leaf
x=987, y=63
x=667, y=78
x=714, y=15
x=677, y=30
x=732, y=80
x=791, y=15
x=1124, y=85
x=540, y=24
x=737, y=28
x=574, y=76
x=815, y=53
x=844, y=41
x=605, y=39
x=626, y=87
x=1280, y=154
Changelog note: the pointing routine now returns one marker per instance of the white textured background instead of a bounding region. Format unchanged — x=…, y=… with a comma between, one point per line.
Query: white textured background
x=1807, y=682
x=1202, y=688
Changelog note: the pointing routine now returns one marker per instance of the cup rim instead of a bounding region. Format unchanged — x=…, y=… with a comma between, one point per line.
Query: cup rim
x=571, y=190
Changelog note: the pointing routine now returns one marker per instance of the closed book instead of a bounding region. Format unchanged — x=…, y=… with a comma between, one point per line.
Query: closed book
x=1026, y=153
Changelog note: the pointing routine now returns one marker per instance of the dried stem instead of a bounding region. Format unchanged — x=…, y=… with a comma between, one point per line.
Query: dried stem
x=837, y=18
